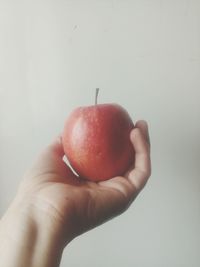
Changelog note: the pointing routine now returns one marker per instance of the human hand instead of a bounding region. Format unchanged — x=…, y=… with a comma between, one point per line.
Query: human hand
x=75, y=205
x=53, y=205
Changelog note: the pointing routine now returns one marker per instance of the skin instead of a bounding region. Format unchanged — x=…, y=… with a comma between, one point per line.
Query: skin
x=53, y=206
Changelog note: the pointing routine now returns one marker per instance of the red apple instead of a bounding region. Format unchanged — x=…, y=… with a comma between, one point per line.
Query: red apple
x=96, y=141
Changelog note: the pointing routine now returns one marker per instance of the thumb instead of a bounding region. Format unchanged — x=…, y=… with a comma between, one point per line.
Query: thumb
x=54, y=149
x=50, y=161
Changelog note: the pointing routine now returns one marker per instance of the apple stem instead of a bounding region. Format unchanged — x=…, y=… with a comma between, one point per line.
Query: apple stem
x=96, y=97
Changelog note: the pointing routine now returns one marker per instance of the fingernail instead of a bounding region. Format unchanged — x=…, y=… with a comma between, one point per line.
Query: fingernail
x=59, y=138
x=144, y=124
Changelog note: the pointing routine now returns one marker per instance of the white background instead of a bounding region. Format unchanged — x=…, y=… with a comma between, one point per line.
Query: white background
x=144, y=55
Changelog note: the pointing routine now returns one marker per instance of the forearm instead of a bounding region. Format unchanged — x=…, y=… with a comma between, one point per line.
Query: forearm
x=25, y=242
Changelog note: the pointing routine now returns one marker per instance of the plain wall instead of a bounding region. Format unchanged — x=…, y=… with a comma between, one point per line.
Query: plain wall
x=144, y=55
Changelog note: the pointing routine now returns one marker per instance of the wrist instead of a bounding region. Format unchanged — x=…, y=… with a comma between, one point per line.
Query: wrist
x=29, y=238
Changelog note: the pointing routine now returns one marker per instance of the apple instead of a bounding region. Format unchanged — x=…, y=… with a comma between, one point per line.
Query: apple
x=96, y=141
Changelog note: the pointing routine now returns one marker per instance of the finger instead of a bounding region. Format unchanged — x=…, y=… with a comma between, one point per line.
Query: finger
x=142, y=170
x=123, y=186
x=53, y=151
x=56, y=147
x=112, y=198
x=50, y=160
x=143, y=126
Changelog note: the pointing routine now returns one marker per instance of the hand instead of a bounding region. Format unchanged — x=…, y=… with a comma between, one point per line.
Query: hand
x=53, y=205
x=74, y=205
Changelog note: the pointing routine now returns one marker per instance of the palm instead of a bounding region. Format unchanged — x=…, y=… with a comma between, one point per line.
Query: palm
x=87, y=204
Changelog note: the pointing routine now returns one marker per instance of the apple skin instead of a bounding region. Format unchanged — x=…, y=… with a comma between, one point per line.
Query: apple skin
x=96, y=141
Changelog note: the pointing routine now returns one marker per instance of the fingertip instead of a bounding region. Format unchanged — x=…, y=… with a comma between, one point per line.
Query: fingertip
x=57, y=139
x=139, y=141
x=56, y=146
x=143, y=126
